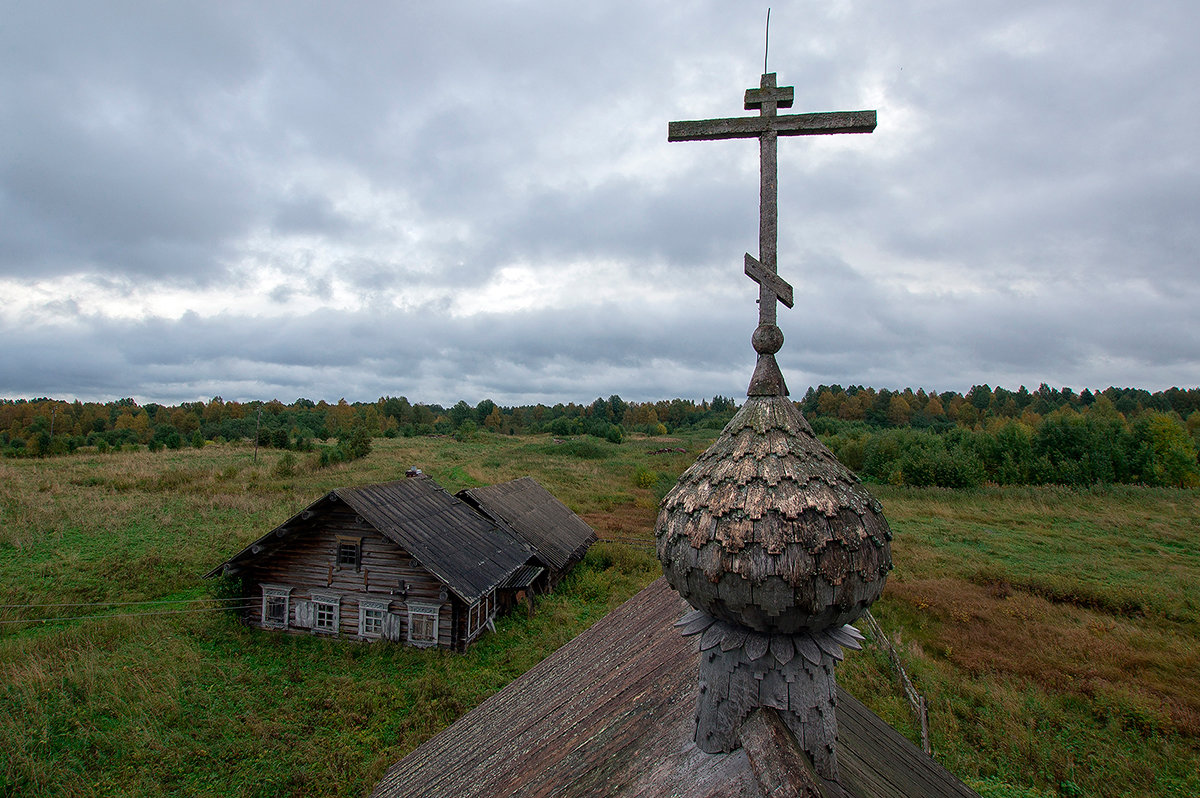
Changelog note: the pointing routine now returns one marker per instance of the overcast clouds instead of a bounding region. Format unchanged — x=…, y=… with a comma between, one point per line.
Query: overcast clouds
x=477, y=200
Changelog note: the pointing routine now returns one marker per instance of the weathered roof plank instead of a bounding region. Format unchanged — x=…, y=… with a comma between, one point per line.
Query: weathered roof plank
x=537, y=517
x=612, y=712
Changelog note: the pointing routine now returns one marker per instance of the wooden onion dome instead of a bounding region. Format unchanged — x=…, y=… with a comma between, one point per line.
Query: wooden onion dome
x=768, y=529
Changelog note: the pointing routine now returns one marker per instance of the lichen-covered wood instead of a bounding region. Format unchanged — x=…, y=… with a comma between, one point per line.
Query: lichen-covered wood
x=741, y=671
x=612, y=713
x=769, y=530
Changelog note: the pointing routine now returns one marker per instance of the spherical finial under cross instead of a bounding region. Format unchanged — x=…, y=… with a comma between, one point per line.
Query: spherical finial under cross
x=767, y=339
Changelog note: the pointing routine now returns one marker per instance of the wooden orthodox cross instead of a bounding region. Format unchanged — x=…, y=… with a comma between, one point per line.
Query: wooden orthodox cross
x=767, y=127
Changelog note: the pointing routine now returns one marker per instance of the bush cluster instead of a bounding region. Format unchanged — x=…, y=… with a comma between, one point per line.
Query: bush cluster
x=1066, y=448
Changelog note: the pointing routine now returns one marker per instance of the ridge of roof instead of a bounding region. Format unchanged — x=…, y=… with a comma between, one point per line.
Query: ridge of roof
x=467, y=551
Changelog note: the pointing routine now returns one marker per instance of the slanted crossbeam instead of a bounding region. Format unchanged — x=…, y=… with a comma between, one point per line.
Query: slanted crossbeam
x=772, y=284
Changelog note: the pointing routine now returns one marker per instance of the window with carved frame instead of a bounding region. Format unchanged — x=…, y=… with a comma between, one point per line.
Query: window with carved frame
x=326, y=612
x=423, y=624
x=275, y=601
x=371, y=615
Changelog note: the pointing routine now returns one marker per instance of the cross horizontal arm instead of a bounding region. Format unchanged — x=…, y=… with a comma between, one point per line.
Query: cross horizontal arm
x=782, y=96
x=749, y=127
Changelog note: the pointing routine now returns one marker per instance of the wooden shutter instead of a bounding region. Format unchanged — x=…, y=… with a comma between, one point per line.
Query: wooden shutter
x=304, y=613
x=391, y=627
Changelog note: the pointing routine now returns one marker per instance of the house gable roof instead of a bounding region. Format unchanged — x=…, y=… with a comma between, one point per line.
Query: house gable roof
x=612, y=713
x=559, y=536
x=468, y=552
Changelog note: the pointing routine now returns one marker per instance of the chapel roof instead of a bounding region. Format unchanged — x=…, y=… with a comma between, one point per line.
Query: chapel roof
x=612, y=713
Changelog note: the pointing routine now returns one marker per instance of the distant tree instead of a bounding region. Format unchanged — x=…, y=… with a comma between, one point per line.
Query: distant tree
x=828, y=402
x=1166, y=453
x=618, y=407
x=1193, y=424
x=599, y=410
x=483, y=410
x=899, y=413
x=460, y=413
x=359, y=444
x=933, y=408
x=980, y=396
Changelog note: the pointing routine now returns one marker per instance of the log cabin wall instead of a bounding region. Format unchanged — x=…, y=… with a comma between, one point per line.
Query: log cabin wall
x=384, y=572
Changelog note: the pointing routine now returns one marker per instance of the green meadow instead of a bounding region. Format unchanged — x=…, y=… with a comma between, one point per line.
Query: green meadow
x=1054, y=632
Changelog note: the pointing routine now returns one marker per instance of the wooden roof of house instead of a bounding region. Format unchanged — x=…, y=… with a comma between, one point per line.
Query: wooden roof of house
x=535, y=516
x=612, y=713
x=467, y=551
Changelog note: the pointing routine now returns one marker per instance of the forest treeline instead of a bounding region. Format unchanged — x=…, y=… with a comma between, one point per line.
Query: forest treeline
x=1046, y=436
x=40, y=427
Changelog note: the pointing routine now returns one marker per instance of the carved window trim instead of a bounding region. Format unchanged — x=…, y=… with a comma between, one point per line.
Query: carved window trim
x=423, y=624
x=278, y=598
x=327, y=612
x=372, y=616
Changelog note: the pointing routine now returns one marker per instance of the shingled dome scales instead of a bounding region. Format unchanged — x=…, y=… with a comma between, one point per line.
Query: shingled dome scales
x=776, y=544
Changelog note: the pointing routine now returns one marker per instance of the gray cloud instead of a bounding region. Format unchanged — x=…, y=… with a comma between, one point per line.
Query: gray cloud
x=1025, y=212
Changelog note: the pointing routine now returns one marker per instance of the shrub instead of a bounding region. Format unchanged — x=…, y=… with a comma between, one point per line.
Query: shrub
x=286, y=466
x=466, y=430
x=581, y=448
x=644, y=477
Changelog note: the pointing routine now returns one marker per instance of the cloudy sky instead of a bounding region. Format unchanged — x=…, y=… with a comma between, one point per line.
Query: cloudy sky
x=469, y=200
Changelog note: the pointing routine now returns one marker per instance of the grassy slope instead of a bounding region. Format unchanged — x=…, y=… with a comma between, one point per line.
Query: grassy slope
x=1054, y=632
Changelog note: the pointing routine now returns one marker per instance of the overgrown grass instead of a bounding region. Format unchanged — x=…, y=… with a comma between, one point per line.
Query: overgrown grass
x=1053, y=631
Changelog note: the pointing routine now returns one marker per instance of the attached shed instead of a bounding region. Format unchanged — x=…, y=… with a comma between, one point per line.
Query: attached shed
x=403, y=561
x=558, y=537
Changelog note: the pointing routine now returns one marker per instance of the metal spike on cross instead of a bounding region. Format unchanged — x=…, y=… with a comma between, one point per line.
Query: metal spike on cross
x=767, y=127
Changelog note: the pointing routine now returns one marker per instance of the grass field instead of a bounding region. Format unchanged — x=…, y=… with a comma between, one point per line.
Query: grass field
x=1053, y=632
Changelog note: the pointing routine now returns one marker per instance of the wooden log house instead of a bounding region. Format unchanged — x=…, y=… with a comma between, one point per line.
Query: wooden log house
x=403, y=561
